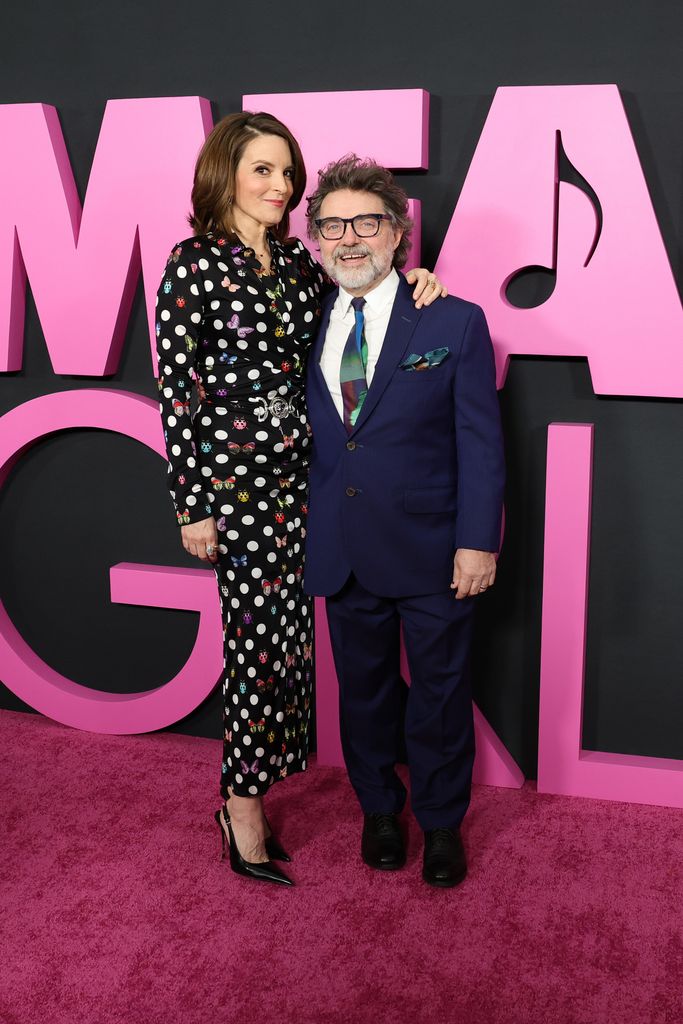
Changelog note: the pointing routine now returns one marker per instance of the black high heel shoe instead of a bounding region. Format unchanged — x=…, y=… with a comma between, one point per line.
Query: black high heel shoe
x=273, y=848
x=266, y=872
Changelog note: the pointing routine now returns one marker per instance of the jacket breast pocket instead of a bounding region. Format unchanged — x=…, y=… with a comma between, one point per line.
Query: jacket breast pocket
x=425, y=500
x=418, y=378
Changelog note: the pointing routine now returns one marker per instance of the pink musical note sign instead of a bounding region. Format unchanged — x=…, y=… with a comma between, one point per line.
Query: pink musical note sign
x=555, y=183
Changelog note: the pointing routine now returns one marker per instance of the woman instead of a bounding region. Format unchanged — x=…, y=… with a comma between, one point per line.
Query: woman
x=237, y=310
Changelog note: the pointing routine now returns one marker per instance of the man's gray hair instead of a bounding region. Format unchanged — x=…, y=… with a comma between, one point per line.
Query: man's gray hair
x=363, y=176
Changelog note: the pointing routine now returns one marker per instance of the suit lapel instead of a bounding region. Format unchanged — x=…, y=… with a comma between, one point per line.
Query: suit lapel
x=403, y=321
x=316, y=379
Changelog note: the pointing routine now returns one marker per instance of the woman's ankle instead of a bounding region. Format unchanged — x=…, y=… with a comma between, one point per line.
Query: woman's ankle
x=246, y=809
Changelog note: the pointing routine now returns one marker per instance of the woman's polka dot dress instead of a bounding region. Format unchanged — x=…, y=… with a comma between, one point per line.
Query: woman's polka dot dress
x=242, y=457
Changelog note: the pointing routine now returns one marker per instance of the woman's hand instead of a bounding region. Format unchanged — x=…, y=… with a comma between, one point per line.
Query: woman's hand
x=428, y=287
x=200, y=539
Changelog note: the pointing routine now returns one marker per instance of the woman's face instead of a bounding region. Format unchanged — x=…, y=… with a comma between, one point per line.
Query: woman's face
x=264, y=181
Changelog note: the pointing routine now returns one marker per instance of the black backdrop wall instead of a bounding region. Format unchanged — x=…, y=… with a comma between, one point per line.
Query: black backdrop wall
x=83, y=500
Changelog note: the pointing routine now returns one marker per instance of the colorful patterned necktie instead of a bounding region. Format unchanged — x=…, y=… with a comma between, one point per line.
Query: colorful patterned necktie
x=354, y=384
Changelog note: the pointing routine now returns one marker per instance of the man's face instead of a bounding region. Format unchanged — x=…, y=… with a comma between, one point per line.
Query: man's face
x=357, y=264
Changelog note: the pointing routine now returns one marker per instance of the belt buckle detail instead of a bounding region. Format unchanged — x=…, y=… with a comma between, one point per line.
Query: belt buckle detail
x=279, y=406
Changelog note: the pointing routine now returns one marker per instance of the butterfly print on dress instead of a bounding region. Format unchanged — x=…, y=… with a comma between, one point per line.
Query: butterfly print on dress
x=246, y=335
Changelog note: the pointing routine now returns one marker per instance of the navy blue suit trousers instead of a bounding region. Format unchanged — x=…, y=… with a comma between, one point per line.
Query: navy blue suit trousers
x=434, y=725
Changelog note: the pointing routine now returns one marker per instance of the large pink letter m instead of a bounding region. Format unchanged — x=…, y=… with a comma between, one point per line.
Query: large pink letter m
x=84, y=270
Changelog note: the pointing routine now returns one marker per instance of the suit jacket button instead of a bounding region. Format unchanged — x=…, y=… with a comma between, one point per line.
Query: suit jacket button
x=350, y=445
x=350, y=491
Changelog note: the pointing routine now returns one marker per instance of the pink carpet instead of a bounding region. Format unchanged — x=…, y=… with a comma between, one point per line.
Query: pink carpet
x=117, y=908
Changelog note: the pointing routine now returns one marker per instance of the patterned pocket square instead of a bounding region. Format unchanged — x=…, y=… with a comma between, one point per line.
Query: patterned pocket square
x=426, y=362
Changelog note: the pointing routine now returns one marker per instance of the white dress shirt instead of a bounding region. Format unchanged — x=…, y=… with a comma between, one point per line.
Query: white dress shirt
x=377, y=310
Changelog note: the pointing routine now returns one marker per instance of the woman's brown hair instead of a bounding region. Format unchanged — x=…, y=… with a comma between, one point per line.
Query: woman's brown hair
x=214, y=176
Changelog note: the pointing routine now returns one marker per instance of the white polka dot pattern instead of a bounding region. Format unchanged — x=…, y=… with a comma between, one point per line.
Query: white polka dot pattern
x=243, y=337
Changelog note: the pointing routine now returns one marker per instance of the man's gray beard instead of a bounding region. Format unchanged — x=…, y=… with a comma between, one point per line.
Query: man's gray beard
x=354, y=279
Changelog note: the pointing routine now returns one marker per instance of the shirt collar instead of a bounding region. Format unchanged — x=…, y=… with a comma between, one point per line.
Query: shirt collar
x=377, y=299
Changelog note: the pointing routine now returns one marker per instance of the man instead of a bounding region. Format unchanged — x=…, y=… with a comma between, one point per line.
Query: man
x=406, y=496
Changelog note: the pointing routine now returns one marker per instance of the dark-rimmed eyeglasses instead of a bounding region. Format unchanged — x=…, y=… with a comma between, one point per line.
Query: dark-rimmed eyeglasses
x=364, y=225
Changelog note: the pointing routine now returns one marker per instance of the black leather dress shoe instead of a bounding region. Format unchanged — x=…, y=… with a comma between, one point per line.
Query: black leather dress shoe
x=382, y=844
x=444, y=863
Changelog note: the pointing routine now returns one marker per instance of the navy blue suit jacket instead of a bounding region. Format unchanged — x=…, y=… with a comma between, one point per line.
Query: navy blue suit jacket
x=422, y=473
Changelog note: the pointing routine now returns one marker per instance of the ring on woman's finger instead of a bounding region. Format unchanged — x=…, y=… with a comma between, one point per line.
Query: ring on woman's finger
x=210, y=549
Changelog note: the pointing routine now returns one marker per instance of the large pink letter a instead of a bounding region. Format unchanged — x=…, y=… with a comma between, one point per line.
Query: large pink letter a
x=614, y=300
